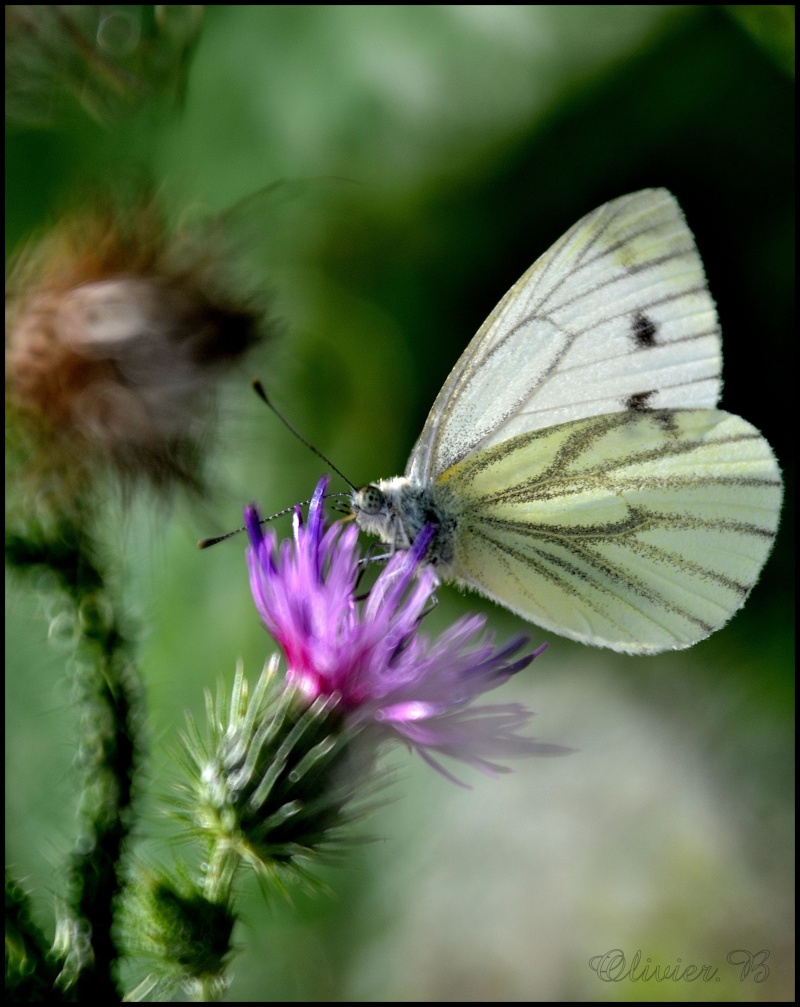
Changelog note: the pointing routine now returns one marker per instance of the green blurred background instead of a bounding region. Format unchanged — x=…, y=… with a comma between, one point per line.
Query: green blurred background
x=427, y=155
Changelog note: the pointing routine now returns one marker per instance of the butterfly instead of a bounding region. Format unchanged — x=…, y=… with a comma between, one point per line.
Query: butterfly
x=575, y=464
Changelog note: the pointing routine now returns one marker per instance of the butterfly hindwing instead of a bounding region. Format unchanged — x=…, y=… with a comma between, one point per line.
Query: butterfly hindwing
x=635, y=531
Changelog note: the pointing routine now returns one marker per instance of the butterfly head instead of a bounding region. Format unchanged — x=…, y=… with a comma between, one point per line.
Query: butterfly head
x=397, y=510
x=374, y=513
x=379, y=510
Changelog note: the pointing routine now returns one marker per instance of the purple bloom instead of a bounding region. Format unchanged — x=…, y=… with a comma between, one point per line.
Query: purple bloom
x=368, y=653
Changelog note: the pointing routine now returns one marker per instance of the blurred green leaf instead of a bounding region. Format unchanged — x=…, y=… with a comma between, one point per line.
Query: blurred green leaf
x=772, y=27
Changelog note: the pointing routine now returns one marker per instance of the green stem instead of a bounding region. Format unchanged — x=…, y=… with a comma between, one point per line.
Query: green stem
x=111, y=700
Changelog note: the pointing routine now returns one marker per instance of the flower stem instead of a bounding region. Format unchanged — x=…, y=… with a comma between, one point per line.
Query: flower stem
x=110, y=698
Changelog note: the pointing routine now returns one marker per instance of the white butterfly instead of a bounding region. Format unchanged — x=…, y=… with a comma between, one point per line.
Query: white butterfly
x=575, y=462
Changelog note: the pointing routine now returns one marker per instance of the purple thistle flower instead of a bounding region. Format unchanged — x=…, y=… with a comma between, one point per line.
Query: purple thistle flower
x=368, y=654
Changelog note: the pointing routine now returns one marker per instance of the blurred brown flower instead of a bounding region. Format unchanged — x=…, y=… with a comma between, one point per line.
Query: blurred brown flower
x=116, y=335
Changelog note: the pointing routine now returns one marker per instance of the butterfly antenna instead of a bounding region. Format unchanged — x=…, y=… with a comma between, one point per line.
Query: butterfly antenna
x=258, y=388
x=206, y=543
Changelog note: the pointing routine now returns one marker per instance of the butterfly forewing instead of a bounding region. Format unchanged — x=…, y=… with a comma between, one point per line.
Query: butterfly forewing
x=636, y=531
x=615, y=316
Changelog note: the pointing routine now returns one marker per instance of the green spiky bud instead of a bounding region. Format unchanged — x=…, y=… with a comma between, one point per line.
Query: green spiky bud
x=274, y=780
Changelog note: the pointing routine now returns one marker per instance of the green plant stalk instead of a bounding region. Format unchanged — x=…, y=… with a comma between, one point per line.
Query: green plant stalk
x=110, y=750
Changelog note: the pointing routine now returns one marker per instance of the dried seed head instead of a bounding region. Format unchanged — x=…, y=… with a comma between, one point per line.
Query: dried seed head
x=116, y=336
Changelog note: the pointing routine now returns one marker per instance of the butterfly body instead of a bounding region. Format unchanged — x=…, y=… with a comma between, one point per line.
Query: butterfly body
x=575, y=464
x=396, y=510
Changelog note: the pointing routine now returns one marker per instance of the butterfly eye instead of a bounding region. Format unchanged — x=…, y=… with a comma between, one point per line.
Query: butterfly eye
x=369, y=500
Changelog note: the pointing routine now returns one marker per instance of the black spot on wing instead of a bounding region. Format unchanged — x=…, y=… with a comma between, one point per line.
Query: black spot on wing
x=639, y=402
x=668, y=422
x=644, y=330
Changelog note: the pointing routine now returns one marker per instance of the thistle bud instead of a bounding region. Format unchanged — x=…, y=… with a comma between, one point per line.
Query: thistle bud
x=182, y=934
x=274, y=781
